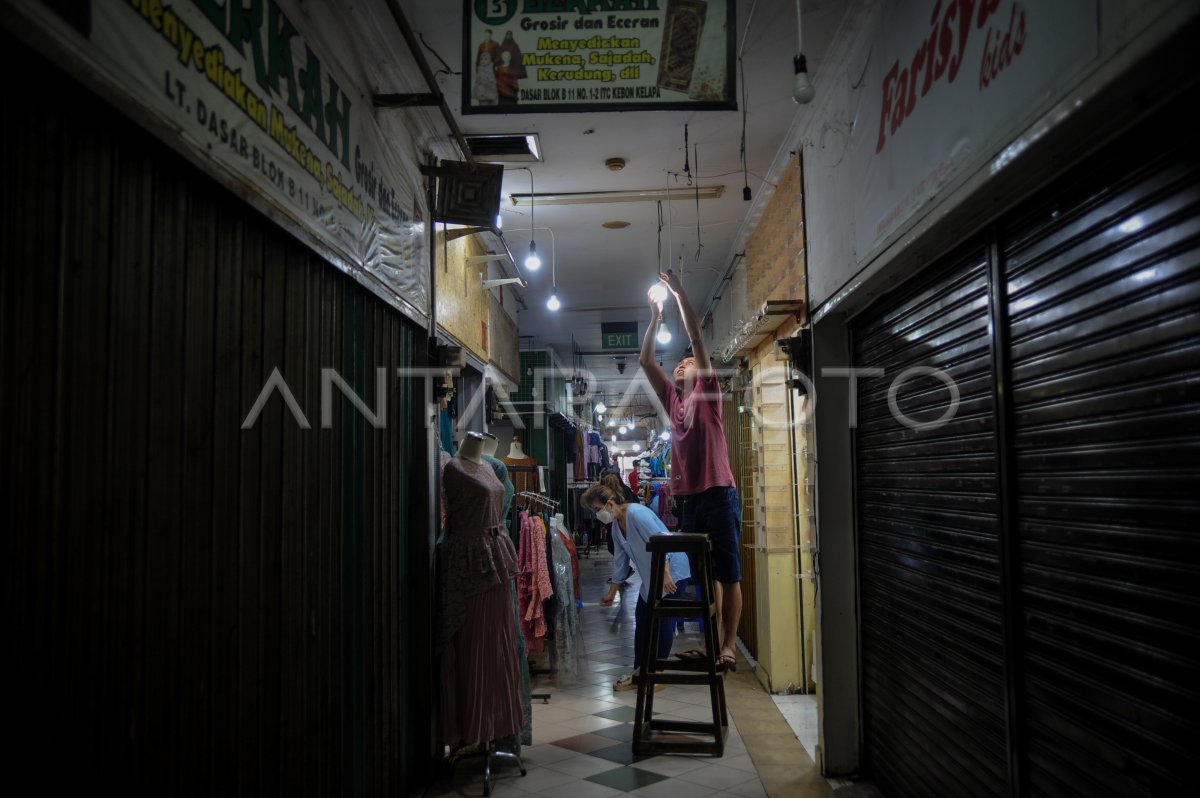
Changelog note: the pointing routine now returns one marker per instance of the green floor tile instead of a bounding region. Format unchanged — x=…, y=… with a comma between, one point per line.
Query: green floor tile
x=627, y=778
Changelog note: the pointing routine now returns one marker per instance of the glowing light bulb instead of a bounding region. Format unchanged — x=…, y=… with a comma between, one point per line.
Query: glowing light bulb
x=637, y=447
x=666, y=436
x=622, y=429
x=600, y=408
x=614, y=439
x=664, y=336
x=532, y=261
x=658, y=292
x=499, y=222
x=553, y=302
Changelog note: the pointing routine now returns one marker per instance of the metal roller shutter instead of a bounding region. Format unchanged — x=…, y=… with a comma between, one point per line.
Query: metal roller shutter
x=1103, y=283
x=1030, y=572
x=927, y=505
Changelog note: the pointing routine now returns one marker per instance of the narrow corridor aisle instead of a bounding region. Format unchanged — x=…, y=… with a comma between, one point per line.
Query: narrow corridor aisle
x=582, y=734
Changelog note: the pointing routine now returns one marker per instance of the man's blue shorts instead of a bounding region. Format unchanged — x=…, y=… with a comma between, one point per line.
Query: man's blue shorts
x=717, y=513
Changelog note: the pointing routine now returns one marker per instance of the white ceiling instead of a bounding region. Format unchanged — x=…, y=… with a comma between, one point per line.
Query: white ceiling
x=602, y=274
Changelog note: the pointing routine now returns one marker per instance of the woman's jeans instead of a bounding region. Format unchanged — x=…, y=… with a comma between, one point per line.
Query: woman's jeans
x=641, y=628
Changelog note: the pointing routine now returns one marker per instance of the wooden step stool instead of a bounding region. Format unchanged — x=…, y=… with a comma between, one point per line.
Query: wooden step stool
x=682, y=737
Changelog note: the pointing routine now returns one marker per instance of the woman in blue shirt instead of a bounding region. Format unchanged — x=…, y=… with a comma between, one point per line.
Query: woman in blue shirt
x=632, y=525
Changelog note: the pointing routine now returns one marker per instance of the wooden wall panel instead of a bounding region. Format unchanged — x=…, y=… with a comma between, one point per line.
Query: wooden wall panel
x=462, y=304
x=775, y=255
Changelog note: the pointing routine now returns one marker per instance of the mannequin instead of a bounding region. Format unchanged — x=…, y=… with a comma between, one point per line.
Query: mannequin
x=522, y=480
x=488, y=455
x=481, y=686
x=515, y=452
x=472, y=447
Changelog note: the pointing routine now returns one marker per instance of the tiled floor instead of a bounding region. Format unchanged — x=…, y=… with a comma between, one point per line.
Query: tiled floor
x=581, y=735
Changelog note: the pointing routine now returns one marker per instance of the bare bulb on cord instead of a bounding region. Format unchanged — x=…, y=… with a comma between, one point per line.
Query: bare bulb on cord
x=658, y=293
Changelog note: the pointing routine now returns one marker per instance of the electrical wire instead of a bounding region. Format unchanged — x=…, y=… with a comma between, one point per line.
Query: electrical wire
x=687, y=170
x=446, y=70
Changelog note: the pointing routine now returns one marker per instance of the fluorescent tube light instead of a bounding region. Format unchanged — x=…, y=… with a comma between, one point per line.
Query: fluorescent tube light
x=602, y=197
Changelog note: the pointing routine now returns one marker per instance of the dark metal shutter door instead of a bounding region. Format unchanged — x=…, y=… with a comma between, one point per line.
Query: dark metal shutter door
x=929, y=570
x=1104, y=302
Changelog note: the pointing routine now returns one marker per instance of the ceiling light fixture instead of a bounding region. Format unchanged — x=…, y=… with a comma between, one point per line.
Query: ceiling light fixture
x=532, y=261
x=601, y=197
x=552, y=303
x=658, y=292
x=802, y=88
x=600, y=408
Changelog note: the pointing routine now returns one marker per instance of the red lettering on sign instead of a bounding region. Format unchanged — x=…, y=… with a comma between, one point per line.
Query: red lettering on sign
x=1000, y=54
x=941, y=55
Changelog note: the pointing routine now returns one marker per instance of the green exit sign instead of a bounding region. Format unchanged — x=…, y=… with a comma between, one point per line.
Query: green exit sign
x=618, y=335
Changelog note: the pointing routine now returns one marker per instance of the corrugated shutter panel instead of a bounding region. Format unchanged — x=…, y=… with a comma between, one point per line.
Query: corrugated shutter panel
x=927, y=505
x=1104, y=303
x=193, y=607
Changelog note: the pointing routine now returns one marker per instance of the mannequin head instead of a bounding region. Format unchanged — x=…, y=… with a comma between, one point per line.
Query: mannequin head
x=515, y=451
x=489, y=443
x=471, y=447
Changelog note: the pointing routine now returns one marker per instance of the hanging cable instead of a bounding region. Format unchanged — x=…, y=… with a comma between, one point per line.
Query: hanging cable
x=687, y=170
x=658, y=262
x=445, y=70
x=698, y=244
x=745, y=177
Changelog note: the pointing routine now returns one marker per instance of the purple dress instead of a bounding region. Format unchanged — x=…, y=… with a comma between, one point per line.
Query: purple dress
x=481, y=677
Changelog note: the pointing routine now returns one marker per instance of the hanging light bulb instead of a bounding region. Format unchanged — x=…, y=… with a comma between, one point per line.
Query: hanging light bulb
x=658, y=292
x=614, y=439
x=499, y=222
x=802, y=89
x=600, y=408
x=553, y=302
x=666, y=436
x=532, y=261
x=622, y=429
x=600, y=416
x=664, y=336
x=637, y=447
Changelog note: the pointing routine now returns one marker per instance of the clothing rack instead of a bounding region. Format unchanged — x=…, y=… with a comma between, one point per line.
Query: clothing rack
x=544, y=503
x=538, y=498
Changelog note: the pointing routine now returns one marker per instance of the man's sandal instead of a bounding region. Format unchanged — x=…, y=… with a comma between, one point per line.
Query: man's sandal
x=692, y=655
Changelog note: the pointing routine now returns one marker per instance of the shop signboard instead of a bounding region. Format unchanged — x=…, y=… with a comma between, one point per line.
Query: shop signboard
x=551, y=56
x=256, y=98
x=949, y=83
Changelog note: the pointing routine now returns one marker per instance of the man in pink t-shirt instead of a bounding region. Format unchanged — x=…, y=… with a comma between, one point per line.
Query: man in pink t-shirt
x=701, y=478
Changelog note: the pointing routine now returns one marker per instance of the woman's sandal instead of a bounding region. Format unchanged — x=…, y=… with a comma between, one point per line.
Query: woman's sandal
x=727, y=662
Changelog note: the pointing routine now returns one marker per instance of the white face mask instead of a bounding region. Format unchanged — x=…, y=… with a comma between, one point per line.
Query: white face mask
x=604, y=516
